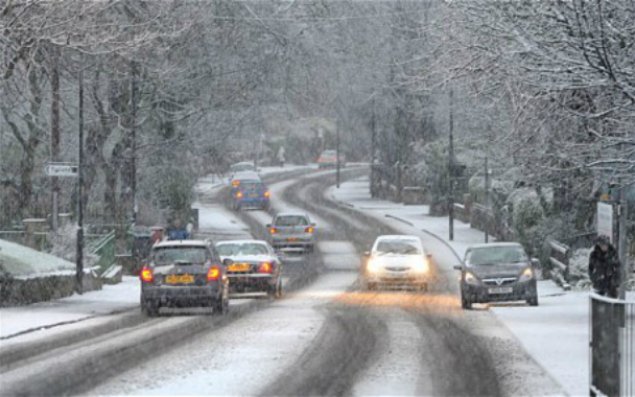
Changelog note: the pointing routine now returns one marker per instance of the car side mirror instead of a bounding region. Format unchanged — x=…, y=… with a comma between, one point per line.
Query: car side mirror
x=227, y=262
x=535, y=262
x=366, y=254
x=268, y=225
x=457, y=267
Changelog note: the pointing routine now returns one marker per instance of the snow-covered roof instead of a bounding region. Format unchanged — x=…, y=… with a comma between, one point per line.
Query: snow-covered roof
x=292, y=213
x=246, y=175
x=22, y=261
x=181, y=243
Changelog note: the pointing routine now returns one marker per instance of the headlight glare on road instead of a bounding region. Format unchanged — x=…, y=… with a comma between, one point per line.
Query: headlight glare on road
x=526, y=275
x=470, y=278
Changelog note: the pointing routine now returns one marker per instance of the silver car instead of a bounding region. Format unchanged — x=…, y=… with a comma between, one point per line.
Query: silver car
x=497, y=272
x=292, y=232
x=396, y=260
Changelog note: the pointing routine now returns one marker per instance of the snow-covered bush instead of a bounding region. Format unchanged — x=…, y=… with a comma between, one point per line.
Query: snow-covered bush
x=579, y=268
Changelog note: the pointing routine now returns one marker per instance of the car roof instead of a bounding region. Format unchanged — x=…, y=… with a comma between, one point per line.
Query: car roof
x=291, y=213
x=182, y=243
x=243, y=163
x=398, y=237
x=242, y=242
x=247, y=175
x=495, y=245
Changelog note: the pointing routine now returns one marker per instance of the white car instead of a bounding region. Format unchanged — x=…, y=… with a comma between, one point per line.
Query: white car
x=252, y=266
x=398, y=261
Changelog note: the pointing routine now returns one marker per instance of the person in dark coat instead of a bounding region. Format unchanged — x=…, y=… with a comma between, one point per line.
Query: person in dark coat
x=604, y=267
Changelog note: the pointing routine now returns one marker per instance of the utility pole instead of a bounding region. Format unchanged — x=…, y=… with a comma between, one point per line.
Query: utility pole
x=133, y=133
x=55, y=135
x=373, y=143
x=451, y=168
x=337, y=151
x=79, y=275
x=486, y=197
x=622, y=242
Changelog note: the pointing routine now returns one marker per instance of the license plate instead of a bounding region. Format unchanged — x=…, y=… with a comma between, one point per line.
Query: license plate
x=179, y=279
x=501, y=290
x=239, y=267
x=292, y=239
x=253, y=195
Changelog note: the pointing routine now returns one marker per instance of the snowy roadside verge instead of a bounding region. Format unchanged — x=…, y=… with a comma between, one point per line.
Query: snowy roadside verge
x=554, y=334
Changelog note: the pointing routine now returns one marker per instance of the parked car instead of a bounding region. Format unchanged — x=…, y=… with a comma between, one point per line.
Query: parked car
x=292, y=232
x=497, y=272
x=184, y=273
x=248, y=191
x=328, y=159
x=252, y=266
x=396, y=261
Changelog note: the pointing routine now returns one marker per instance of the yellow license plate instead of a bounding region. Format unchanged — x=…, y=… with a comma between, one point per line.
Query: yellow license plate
x=292, y=239
x=179, y=279
x=239, y=267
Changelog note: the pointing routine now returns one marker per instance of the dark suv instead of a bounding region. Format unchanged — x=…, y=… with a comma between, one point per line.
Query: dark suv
x=497, y=272
x=184, y=273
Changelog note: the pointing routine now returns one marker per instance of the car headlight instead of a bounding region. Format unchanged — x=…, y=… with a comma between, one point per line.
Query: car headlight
x=420, y=265
x=470, y=278
x=526, y=275
x=372, y=266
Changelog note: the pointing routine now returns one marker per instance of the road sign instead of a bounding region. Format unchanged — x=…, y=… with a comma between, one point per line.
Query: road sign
x=605, y=220
x=61, y=169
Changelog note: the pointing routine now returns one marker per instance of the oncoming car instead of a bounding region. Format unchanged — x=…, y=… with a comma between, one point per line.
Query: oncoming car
x=248, y=191
x=252, y=266
x=185, y=273
x=328, y=158
x=398, y=261
x=292, y=232
x=497, y=272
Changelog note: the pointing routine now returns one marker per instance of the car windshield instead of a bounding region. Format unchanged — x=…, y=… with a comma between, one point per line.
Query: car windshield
x=399, y=247
x=234, y=249
x=496, y=255
x=291, y=220
x=169, y=255
x=251, y=185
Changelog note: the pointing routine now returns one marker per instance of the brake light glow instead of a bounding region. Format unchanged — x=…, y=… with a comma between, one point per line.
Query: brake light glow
x=239, y=194
x=265, y=267
x=309, y=229
x=235, y=183
x=146, y=275
x=267, y=194
x=273, y=230
x=213, y=274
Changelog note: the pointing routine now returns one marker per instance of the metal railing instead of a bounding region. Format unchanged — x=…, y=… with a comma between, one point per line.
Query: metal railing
x=612, y=346
x=559, y=255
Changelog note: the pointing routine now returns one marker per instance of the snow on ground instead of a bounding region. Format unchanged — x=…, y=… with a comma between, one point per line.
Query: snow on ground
x=110, y=299
x=339, y=255
x=555, y=333
x=239, y=358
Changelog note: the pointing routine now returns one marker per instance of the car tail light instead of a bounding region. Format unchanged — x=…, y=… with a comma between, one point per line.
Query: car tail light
x=267, y=194
x=235, y=183
x=214, y=272
x=146, y=275
x=273, y=230
x=265, y=267
x=309, y=229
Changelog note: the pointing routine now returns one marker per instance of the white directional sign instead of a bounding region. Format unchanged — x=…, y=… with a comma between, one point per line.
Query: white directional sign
x=605, y=220
x=61, y=169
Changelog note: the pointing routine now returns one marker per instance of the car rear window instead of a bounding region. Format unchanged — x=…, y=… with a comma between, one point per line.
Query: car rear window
x=231, y=249
x=291, y=220
x=170, y=255
x=496, y=255
x=400, y=247
x=251, y=186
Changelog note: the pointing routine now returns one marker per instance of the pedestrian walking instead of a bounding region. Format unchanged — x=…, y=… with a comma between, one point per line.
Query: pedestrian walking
x=604, y=267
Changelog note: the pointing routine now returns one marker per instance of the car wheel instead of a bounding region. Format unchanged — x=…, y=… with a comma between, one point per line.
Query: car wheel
x=533, y=301
x=149, y=308
x=220, y=305
x=466, y=303
x=275, y=291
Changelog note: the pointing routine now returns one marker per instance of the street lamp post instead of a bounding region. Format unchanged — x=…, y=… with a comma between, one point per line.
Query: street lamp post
x=451, y=168
x=79, y=275
x=337, y=152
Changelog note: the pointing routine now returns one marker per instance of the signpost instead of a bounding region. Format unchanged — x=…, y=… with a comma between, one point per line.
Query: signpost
x=605, y=220
x=61, y=169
